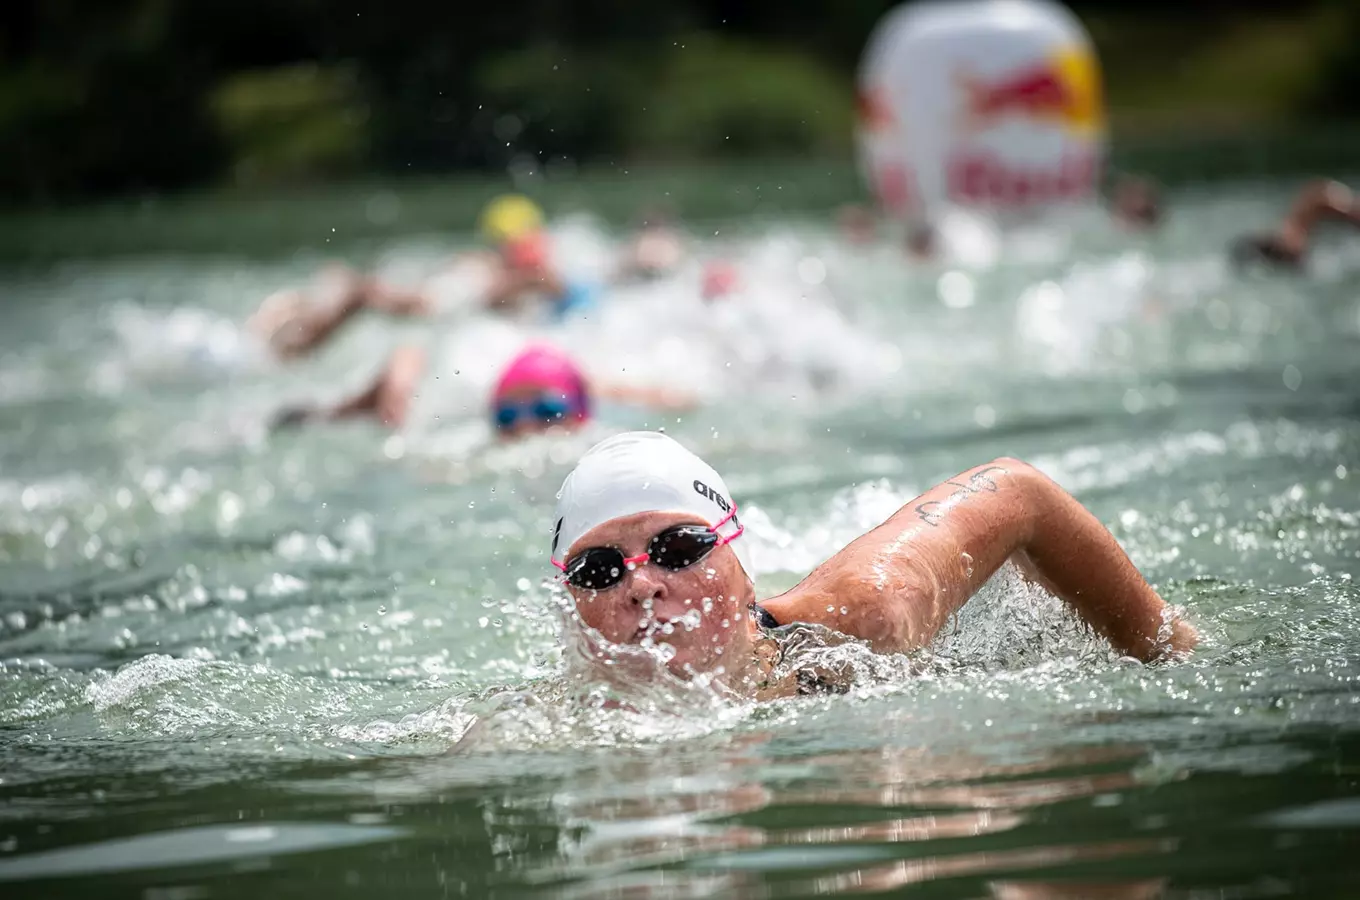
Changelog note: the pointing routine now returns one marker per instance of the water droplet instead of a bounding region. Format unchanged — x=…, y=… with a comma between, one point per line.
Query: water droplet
x=382, y=610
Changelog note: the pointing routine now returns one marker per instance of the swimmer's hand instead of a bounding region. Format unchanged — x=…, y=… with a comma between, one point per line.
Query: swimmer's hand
x=395, y=301
x=294, y=417
x=1267, y=248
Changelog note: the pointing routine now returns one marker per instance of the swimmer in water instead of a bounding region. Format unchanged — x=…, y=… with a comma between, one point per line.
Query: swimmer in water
x=655, y=250
x=540, y=390
x=720, y=279
x=858, y=225
x=528, y=275
x=292, y=324
x=921, y=244
x=650, y=546
x=1319, y=201
x=1136, y=203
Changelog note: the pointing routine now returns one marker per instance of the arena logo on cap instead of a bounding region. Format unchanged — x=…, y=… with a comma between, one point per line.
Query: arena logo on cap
x=704, y=490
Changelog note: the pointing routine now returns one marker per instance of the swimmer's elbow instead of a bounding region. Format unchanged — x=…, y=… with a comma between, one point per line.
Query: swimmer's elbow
x=1016, y=468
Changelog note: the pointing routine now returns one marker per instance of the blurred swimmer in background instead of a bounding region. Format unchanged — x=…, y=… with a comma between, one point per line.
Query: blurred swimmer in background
x=655, y=249
x=528, y=276
x=515, y=272
x=1135, y=202
x=857, y=224
x=540, y=390
x=1287, y=246
x=922, y=244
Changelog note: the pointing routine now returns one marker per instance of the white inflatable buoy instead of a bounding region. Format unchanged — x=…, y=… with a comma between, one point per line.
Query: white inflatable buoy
x=991, y=104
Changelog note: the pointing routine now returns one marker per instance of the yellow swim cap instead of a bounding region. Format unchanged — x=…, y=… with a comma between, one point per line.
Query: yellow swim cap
x=510, y=216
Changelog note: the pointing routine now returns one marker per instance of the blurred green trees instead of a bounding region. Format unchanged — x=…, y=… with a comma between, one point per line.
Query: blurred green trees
x=127, y=96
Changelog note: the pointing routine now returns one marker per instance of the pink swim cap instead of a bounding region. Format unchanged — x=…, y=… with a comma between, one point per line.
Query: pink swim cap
x=544, y=368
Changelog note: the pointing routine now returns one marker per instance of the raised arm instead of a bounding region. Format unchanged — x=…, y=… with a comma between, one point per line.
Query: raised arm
x=387, y=398
x=900, y=583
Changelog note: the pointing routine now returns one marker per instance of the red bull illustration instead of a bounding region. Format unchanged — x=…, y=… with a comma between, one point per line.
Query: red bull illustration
x=980, y=103
x=1062, y=89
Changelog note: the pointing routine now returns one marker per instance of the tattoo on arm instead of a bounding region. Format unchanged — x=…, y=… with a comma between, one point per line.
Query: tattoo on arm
x=978, y=483
x=926, y=513
x=980, y=476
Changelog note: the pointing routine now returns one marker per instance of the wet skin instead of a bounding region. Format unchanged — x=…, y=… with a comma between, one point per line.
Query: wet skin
x=650, y=597
x=896, y=586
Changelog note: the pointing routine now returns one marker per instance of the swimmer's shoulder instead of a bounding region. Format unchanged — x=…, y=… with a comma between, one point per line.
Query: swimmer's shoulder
x=788, y=675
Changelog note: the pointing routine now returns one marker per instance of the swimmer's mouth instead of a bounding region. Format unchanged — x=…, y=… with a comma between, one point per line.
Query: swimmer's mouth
x=651, y=628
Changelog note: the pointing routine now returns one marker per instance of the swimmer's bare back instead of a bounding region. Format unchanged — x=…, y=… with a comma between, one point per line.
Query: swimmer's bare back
x=899, y=584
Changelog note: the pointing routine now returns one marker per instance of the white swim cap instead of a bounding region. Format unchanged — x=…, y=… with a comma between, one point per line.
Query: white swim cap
x=642, y=471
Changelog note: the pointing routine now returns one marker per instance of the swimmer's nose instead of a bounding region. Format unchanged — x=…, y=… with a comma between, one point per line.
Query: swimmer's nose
x=646, y=583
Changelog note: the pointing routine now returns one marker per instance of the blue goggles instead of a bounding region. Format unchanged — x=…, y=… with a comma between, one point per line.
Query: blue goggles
x=548, y=409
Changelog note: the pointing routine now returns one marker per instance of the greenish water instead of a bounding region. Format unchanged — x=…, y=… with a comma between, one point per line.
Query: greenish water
x=330, y=663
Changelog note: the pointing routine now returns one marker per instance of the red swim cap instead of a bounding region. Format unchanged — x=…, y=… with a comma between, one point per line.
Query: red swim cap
x=720, y=279
x=529, y=251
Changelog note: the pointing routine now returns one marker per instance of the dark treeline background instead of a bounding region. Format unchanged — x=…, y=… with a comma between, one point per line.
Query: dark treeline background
x=103, y=97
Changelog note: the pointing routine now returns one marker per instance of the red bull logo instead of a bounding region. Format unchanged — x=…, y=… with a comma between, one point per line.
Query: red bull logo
x=1062, y=89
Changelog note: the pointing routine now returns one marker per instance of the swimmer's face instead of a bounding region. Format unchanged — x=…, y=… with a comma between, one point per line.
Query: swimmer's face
x=533, y=407
x=699, y=612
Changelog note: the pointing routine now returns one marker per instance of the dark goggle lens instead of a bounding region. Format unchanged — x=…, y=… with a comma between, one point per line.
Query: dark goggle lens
x=600, y=568
x=547, y=409
x=596, y=569
x=551, y=409
x=681, y=547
